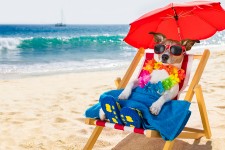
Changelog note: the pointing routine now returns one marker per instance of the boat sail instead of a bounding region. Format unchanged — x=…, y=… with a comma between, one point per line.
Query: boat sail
x=60, y=24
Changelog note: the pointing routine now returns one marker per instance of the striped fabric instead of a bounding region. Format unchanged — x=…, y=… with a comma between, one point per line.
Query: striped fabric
x=119, y=127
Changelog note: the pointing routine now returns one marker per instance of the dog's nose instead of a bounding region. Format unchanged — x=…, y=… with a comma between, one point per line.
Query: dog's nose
x=165, y=57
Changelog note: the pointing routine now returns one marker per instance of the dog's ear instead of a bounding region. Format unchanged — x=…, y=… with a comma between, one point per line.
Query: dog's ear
x=158, y=37
x=189, y=43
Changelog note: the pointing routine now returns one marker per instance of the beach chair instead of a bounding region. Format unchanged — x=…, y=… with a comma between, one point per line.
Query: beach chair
x=193, y=88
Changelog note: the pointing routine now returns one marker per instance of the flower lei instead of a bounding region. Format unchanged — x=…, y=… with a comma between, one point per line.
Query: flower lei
x=175, y=74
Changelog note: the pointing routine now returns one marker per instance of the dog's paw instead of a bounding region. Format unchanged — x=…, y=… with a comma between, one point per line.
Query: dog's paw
x=155, y=108
x=102, y=114
x=124, y=95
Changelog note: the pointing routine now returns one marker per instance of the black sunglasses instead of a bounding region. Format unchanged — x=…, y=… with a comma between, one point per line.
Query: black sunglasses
x=176, y=50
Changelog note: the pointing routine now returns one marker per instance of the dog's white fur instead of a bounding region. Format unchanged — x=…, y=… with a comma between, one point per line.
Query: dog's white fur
x=156, y=76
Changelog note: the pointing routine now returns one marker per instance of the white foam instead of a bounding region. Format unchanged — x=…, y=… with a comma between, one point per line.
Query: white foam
x=9, y=43
x=69, y=66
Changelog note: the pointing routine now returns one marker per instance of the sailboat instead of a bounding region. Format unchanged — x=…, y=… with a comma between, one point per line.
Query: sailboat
x=60, y=24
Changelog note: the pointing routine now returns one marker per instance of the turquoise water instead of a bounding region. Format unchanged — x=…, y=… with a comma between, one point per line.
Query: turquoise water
x=43, y=49
x=38, y=49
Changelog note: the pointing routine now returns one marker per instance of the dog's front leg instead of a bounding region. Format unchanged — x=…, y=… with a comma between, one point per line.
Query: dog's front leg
x=128, y=89
x=167, y=96
x=102, y=114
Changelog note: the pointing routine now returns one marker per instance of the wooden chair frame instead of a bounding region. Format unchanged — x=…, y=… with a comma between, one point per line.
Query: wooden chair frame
x=194, y=88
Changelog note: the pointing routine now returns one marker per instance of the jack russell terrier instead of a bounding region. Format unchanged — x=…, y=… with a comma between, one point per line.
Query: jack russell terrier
x=167, y=52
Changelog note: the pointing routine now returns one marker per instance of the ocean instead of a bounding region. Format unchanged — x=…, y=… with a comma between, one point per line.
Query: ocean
x=29, y=50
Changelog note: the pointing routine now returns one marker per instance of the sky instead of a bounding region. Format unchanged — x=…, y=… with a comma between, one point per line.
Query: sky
x=77, y=11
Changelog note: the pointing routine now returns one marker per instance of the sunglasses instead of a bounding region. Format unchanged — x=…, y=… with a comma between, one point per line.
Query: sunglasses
x=176, y=50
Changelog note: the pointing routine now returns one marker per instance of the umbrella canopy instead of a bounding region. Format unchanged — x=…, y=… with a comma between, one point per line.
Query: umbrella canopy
x=194, y=20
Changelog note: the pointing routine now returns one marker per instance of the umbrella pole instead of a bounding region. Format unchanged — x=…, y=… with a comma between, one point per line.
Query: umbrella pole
x=178, y=30
x=176, y=17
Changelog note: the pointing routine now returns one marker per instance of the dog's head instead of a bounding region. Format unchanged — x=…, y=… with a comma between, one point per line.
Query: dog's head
x=170, y=51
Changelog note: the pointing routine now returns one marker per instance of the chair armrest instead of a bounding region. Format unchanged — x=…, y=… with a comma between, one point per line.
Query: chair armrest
x=117, y=81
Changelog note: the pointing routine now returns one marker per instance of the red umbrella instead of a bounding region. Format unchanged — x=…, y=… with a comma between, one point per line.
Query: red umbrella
x=194, y=20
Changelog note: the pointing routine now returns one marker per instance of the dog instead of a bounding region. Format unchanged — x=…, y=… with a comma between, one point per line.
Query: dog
x=167, y=51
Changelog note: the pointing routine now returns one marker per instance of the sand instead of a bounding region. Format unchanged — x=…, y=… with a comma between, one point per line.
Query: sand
x=46, y=112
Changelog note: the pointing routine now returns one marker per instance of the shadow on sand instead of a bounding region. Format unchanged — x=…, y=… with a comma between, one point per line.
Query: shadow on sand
x=140, y=142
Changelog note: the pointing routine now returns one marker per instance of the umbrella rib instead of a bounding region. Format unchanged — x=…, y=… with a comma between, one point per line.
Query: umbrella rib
x=168, y=17
x=156, y=31
x=183, y=14
x=205, y=21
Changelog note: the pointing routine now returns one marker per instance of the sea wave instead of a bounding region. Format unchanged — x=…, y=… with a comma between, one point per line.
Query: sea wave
x=97, y=42
x=62, y=42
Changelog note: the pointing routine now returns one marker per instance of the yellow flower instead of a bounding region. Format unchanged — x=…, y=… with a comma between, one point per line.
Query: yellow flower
x=157, y=65
x=148, y=68
x=175, y=70
x=174, y=78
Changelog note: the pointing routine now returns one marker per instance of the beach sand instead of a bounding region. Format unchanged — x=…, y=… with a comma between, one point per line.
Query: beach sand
x=46, y=112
